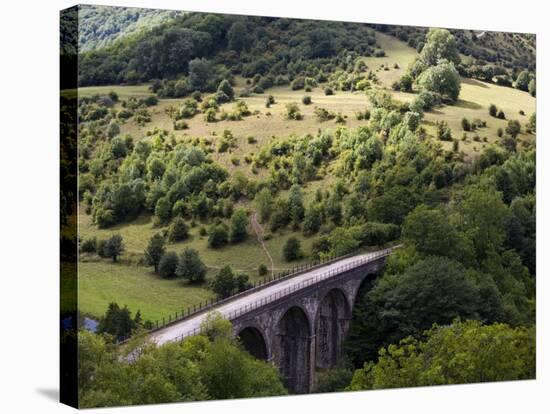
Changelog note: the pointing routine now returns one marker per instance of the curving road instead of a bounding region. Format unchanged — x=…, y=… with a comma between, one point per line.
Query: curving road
x=263, y=295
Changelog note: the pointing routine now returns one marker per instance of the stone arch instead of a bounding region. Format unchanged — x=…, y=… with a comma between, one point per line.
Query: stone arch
x=254, y=342
x=366, y=284
x=332, y=323
x=294, y=346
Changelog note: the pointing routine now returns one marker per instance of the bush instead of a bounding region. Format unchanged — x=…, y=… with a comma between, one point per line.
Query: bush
x=501, y=115
x=298, y=83
x=443, y=131
x=329, y=91
x=292, y=249
x=493, y=110
x=500, y=132
x=217, y=235
x=190, y=266
x=168, y=265
x=466, y=126
x=306, y=100
x=210, y=115
x=178, y=230
x=262, y=270
x=293, y=112
x=113, y=247
x=89, y=245
x=513, y=128
x=323, y=114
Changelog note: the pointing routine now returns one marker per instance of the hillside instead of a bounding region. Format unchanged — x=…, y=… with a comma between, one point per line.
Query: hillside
x=99, y=26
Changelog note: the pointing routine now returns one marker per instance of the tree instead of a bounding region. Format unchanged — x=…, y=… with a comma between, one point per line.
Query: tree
x=313, y=218
x=223, y=283
x=217, y=235
x=200, y=72
x=227, y=89
x=513, y=128
x=493, y=110
x=442, y=79
x=262, y=270
x=168, y=265
x=113, y=247
x=238, y=225
x=532, y=87
x=433, y=290
x=263, y=201
x=190, y=266
x=463, y=352
x=178, y=230
x=483, y=218
x=440, y=44
x=154, y=251
x=296, y=204
x=292, y=249
x=238, y=38
x=430, y=232
x=523, y=80
x=342, y=241
x=117, y=322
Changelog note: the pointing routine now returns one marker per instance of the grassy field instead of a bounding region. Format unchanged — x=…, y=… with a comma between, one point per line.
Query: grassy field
x=102, y=282
x=127, y=283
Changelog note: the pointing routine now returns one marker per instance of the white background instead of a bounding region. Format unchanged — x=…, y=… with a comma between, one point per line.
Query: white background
x=29, y=205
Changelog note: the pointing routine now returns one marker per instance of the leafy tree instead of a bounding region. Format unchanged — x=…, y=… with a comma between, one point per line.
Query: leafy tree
x=483, y=217
x=281, y=215
x=513, y=128
x=433, y=290
x=296, y=204
x=532, y=88
x=523, y=79
x=155, y=250
x=342, y=241
x=227, y=89
x=442, y=79
x=262, y=270
x=292, y=250
x=493, y=110
x=440, y=44
x=238, y=225
x=223, y=283
x=190, y=266
x=113, y=247
x=263, y=201
x=313, y=219
x=463, y=352
x=168, y=265
x=117, y=322
x=178, y=230
x=392, y=206
x=238, y=38
x=217, y=235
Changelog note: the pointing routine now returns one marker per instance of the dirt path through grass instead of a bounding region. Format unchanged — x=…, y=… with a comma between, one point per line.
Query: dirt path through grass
x=258, y=229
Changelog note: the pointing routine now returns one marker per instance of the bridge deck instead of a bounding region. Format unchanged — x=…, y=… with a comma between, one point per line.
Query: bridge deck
x=264, y=295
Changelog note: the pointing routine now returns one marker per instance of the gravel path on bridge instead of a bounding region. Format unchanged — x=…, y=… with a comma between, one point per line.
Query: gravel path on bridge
x=172, y=332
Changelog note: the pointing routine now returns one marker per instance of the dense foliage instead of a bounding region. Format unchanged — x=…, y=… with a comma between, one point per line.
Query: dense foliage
x=209, y=366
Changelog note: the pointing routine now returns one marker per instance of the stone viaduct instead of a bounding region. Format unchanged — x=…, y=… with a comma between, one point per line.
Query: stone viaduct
x=298, y=323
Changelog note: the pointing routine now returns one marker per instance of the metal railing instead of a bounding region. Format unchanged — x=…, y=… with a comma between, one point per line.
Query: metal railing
x=291, y=289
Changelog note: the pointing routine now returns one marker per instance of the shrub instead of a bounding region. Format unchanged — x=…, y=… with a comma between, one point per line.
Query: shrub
x=493, y=110
x=210, y=115
x=190, y=266
x=513, y=128
x=178, y=230
x=89, y=245
x=323, y=114
x=168, y=265
x=292, y=249
x=180, y=125
x=154, y=251
x=500, y=132
x=501, y=115
x=113, y=247
x=217, y=235
x=443, y=131
x=251, y=140
x=298, y=83
x=306, y=100
x=466, y=126
x=329, y=91
x=262, y=270
x=293, y=112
